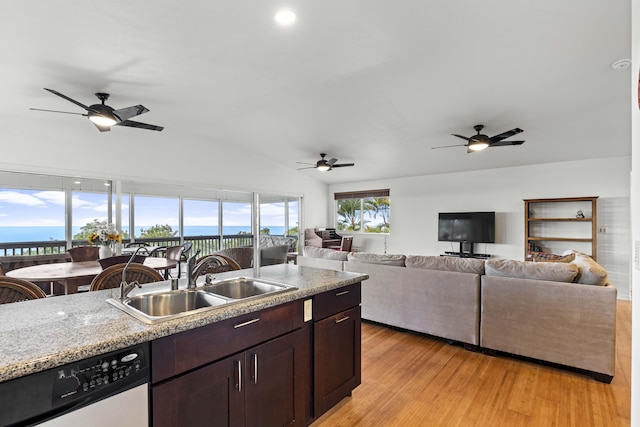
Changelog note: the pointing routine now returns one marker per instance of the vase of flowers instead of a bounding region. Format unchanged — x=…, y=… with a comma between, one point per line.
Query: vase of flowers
x=106, y=235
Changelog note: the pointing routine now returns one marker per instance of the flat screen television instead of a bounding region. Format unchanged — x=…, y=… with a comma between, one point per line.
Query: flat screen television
x=472, y=227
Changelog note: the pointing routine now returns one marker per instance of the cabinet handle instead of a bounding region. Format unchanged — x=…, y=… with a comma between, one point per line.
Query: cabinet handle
x=339, y=294
x=342, y=320
x=239, y=375
x=255, y=368
x=240, y=325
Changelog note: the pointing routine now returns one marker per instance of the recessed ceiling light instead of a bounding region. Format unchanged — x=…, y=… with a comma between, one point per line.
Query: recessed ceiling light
x=285, y=17
x=621, y=64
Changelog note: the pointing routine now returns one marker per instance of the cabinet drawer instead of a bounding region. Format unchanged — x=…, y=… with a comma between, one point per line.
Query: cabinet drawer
x=181, y=352
x=335, y=301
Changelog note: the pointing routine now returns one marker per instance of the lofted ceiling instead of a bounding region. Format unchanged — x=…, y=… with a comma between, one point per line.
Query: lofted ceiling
x=375, y=82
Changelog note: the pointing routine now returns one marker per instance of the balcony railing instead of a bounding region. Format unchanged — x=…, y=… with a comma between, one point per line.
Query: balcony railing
x=206, y=244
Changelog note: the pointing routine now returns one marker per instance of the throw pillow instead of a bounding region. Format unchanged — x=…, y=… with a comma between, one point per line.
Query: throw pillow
x=590, y=272
x=446, y=263
x=397, y=260
x=555, y=272
x=315, y=252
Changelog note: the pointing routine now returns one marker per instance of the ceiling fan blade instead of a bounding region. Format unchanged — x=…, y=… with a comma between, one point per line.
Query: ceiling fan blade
x=505, y=143
x=57, y=111
x=131, y=123
x=128, y=112
x=342, y=165
x=310, y=167
x=460, y=136
x=102, y=128
x=506, y=134
x=55, y=92
x=331, y=161
x=305, y=163
x=449, y=146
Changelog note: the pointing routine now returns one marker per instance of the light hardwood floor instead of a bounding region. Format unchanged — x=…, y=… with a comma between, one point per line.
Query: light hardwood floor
x=410, y=379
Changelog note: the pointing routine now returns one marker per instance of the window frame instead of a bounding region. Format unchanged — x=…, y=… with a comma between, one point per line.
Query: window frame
x=362, y=196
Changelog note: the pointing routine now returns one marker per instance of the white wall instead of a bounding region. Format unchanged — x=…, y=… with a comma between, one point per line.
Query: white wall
x=416, y=202
x=635, y=211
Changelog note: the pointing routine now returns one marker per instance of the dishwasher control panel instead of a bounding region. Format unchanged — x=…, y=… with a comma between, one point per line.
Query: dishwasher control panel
x=89, y=376
x=54, y=392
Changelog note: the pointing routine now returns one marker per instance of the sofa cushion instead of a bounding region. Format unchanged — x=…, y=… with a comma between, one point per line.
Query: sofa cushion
x=552, y=271
x=315, y=252
x=397, y=260
x=589, y=271
x=446, y=263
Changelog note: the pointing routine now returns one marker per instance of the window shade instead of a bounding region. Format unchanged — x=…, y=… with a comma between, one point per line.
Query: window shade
x=361, y=194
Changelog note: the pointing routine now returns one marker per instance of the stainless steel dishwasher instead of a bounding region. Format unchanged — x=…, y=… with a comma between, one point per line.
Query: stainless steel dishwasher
x=106, y=390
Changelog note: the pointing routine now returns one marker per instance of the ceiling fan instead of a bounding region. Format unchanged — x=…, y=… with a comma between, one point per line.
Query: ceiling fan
x=325, y=165
x=480, y=142
x=103, y=116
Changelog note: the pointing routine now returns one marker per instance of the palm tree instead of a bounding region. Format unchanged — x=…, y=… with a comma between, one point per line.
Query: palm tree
x=349, y=214
x=379, y=206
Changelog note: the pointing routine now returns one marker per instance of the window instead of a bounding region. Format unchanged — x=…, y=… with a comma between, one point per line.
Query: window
x=31, y=215
x=236, y=218
x=156, y=216
x=363, y=211
x=200, y=217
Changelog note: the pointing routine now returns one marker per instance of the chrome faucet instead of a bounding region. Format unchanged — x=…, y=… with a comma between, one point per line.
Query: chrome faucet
x=191, y=265
x=125, y=287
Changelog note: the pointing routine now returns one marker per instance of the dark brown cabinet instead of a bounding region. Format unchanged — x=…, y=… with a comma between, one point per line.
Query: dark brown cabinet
x=337, y=346
x=265, y=385
x=269, y=368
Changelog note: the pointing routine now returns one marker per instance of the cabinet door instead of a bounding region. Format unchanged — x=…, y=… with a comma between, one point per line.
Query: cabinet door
x=276, y=381
x=337, y=358
x=207, y=396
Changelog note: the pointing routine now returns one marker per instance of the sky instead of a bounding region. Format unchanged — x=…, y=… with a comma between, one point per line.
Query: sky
x=46, y=208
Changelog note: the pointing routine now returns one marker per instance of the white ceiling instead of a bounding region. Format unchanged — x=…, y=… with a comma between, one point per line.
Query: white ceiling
x=375, y=82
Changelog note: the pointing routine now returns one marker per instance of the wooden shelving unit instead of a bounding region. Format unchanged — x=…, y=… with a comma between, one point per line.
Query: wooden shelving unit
x=556, y=220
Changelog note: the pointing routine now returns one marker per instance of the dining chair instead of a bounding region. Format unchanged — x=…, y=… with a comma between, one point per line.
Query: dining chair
x=174, y=253
x=347, y=242
x=16, y=290
x=212, y=264
x=2, y=272
x=84, y=253
x=120, y=259
x=111, y=277
x=243, y=255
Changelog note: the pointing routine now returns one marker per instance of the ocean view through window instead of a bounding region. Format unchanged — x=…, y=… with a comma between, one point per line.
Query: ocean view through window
x=52, y=213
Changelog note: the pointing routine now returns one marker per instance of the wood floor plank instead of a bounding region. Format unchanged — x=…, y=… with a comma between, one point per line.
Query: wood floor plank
x=410, y=379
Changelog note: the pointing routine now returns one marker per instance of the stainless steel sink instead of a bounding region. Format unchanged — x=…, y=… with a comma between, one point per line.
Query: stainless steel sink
x=241, y=288
x=154, y=307
x=159, y=306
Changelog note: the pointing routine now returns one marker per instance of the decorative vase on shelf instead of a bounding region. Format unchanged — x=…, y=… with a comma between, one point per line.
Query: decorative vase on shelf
x=105, y=251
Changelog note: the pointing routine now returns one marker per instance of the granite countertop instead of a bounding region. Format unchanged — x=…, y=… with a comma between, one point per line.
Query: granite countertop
x=42, y=334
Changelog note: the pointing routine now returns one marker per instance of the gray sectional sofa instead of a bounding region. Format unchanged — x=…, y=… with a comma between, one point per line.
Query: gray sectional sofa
x=559, y=312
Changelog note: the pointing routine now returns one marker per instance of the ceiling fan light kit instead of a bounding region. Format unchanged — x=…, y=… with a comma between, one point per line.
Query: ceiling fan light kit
x=104, y=116
x=479, y=142
x=325, y=165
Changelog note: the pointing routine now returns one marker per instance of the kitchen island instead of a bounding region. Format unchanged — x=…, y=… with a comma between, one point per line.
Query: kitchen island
x=44, y=334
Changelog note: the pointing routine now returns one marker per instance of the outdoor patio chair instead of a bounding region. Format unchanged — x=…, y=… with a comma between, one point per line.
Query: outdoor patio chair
x=243, y=256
